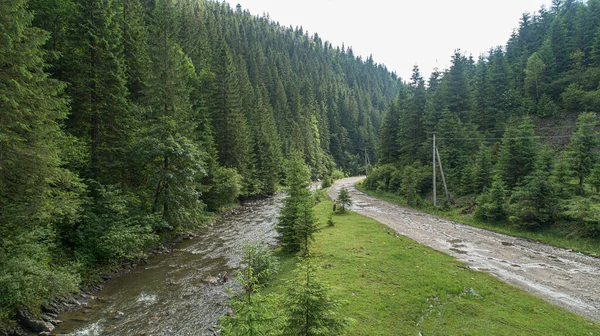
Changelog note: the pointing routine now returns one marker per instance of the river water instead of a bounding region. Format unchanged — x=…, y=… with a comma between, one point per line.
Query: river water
x=169, y=295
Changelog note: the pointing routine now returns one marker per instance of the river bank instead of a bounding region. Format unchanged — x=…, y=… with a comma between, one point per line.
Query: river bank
x=66, y=314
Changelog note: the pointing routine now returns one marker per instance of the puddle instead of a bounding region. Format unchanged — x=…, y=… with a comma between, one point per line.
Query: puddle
x=507, y=244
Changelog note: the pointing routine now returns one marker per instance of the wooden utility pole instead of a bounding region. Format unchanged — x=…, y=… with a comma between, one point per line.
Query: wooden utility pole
x=434, y=171
x=443, y=175
x=366, y=163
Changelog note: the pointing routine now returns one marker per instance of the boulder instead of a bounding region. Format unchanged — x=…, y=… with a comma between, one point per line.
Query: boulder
x=34, y=324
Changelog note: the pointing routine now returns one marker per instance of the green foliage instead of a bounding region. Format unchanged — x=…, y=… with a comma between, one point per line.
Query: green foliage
x=259, y=258
x=38, y=197
x=491, y=205
x=411, y=176
x=225, y=185
x=296, y=221
x=582, y=147
x=311, y=310
x=517, y=153
x=252, y=312
x=344, y=199
x=330, y=222
x=535, y=203
x=586, y=213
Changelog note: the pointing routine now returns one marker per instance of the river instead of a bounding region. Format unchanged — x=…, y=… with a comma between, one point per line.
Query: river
x=169, y=295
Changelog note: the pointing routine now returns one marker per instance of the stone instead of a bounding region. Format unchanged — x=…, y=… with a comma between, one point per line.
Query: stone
x=34, y=324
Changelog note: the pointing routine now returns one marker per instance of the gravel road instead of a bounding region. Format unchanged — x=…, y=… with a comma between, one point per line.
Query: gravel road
x=558, y=275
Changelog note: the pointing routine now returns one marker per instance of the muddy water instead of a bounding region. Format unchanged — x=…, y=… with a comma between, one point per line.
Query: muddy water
x=560, y=276
x=169, y=295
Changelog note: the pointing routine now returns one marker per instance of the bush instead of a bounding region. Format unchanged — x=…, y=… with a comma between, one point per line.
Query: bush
x=337, y=174
x=258, y=256
x=226, y=187
x=586, y=213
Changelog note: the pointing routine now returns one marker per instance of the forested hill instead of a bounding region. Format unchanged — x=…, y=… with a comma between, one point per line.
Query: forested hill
x=122, y=120
x=506, y=127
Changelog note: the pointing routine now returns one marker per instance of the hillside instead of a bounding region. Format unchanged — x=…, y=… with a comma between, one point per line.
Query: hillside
x=124, y=122
x=516, y=129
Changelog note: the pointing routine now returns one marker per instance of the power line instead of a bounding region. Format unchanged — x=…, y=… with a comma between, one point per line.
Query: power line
x=514, y=138
x=505, y=130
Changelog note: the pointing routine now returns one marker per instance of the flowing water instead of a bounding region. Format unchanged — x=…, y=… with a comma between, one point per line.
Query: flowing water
x=170, y=294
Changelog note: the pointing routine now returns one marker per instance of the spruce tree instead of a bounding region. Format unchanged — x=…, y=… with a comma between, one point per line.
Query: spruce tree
x=267, y=148
x=311, y=310
x=295, y=206
x=232, y=136
x=582, y=147
x=100, y=111
x=38, y=197
x=517, y=153
x=172, y=161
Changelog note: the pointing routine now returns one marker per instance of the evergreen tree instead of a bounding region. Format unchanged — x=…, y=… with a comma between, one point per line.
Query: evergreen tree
x=232, y=137
x=517, y=153
x=582, y=147
x=38, y=197
x=295, y=209
x=344, y=199
x=173, y=162
x=267, y=148
x=311, y=310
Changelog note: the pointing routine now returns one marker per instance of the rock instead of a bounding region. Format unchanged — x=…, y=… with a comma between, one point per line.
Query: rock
x=211, y=280
x=45, y=333
x=120, y=315
x=34, y=324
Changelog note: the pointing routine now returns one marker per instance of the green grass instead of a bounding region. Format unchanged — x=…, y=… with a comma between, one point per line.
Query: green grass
x=558, y=235
x=394, y=286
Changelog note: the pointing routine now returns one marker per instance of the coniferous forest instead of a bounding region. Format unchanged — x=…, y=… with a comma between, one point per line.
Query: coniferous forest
x=123, y=122
x=516, y=129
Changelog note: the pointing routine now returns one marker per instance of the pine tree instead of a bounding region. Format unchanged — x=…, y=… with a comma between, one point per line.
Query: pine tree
x=517, y=153
x=311, y=311
x=582, y=147
x=344, y=199
x=173, y=162
x=38, y=198
x=232, y=136
x=295, y=206
x=100, y=110
x=267, y=148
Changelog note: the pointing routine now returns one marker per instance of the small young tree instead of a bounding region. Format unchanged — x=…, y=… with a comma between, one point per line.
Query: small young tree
x=344, y=199
x=253, y=314
x=258, y=256
x=311, y=311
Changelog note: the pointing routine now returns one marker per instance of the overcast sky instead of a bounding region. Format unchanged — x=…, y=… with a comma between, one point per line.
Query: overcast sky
x=400, y=33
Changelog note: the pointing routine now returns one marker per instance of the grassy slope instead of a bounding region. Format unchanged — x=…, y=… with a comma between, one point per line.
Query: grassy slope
x=555, y=236
x=395, y=286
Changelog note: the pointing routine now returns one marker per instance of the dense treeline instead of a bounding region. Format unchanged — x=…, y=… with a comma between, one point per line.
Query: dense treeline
x=124, y=121
x=505, y=125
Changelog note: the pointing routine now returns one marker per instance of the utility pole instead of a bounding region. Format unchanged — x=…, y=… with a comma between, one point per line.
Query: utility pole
x=366, y=163
x=434, y=171
x=443, y=175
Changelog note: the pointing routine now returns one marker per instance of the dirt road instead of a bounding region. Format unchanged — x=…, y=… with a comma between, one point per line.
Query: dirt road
x=557, y=275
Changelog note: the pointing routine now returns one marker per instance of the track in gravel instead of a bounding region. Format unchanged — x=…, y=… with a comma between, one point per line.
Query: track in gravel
x=560, y=276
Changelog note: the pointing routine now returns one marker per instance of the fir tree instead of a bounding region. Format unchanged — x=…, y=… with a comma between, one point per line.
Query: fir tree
x=311, y=311
x=582, y=147
x=38, y=197
x=295, y=207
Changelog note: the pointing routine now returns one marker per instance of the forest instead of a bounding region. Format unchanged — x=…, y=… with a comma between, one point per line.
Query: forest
x=125, y=122
x=516, y=128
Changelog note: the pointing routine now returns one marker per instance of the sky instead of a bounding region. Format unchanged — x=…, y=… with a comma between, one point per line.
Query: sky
x=400, y=33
